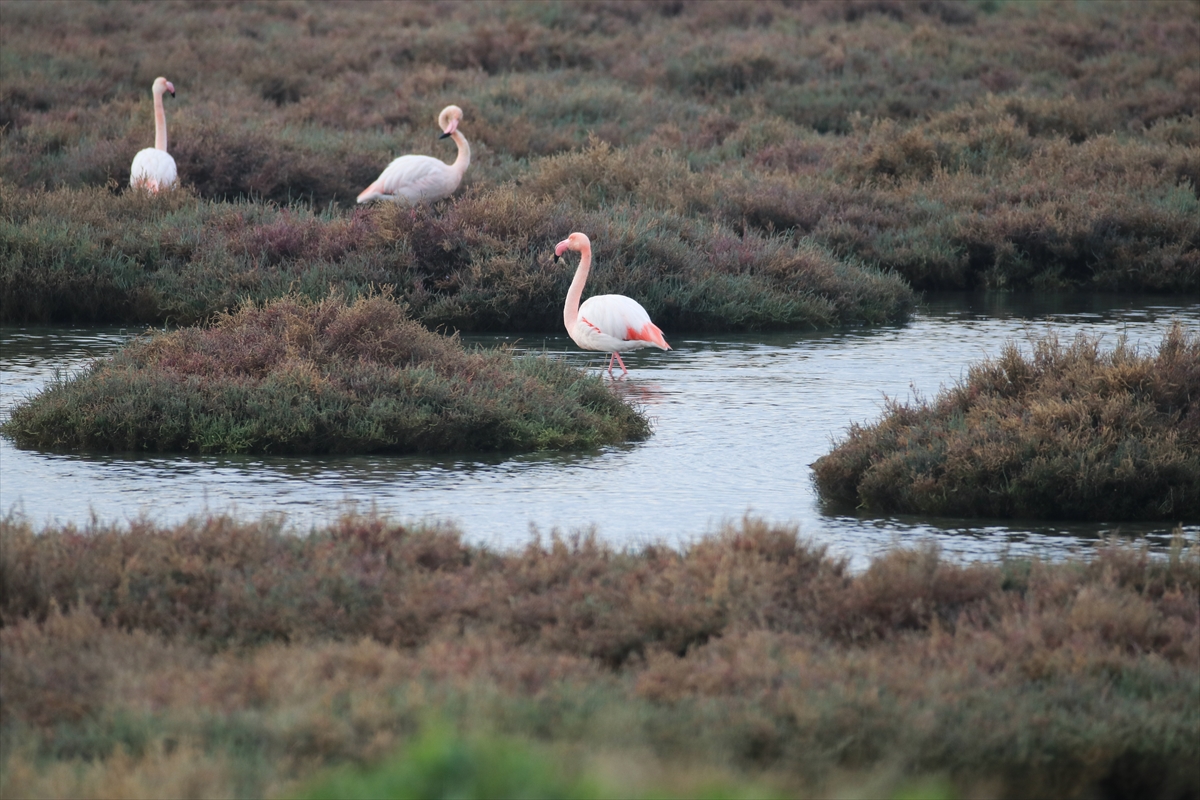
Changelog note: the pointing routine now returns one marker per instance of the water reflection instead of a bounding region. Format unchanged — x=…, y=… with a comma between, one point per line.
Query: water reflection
x=737, y=420
x=1076, y=307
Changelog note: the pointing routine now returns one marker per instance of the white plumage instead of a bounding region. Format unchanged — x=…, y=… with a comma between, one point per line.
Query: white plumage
x=423, y=179
x=610, y=323
x=153, y=169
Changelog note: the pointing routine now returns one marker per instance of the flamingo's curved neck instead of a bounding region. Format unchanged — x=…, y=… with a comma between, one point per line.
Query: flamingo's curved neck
x=160, y=123
x=464, y=154
x=571, y=309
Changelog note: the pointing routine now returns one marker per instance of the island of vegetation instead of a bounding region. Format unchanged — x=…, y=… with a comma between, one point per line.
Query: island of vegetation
x=1070, y=431
x=219, y=658
x=296, y=376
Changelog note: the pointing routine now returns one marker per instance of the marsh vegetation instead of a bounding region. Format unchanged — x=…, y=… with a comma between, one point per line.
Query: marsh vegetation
x=1069, y=431
x=240, y=659
x=295, y=376
x=740, y=167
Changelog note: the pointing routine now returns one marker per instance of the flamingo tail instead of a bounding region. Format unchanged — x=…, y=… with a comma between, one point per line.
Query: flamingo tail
x=373, y=192
x=648, y=333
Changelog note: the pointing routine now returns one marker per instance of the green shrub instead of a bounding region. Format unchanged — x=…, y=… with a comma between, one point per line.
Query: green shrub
x=242, y=658
x=1069, y=432
x=483, y=262
x=1008, y=145
x=439, y=764
x=329, y=377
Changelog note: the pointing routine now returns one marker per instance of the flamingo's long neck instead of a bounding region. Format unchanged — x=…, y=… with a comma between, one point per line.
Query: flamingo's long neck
x=160, y=122
x=571, y=309
x=464, y=154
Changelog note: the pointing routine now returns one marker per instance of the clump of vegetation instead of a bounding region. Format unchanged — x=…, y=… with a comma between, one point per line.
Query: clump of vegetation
x=786, y=165
x=226, y=658
x=439, y=762
x=326, y=377
x=482, y=263
x=1068, y=432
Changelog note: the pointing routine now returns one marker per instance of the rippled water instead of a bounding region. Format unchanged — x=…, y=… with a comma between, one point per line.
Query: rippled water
x=737, y=421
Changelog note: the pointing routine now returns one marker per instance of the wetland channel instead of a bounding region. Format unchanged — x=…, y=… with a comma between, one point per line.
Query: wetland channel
x=737, y=420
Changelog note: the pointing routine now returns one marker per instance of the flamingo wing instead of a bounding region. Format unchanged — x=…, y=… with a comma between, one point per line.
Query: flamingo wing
x=621, y=322
x=414, y=179
x=153, y=169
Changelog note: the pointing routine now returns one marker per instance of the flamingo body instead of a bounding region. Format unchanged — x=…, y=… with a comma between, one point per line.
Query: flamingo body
x=614, y=323
x=415, y=179
x=423, y=179
x=610, y=323
x=154, y=169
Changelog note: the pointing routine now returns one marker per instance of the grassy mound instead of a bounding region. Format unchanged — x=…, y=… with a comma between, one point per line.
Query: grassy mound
x=326, y=377
x=1070, y=432
x=220, y=658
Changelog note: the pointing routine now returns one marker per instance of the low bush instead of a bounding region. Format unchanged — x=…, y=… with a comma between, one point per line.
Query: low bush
x=1010, y=145
x=439, y=762
x=1068, y=432
x=238, y=658
x=320, y=377
x=482, y=262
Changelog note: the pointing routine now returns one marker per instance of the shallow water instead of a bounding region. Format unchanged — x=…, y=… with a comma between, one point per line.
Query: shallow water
x=737, y=421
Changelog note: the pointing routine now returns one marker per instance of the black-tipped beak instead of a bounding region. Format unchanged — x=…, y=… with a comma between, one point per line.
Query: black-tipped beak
x=172, y=94
x=444, y=136
x=557, y=258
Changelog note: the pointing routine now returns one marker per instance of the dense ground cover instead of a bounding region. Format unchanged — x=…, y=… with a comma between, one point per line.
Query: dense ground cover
x=1069, y=431
x=295, y=376
x=221, y=658
x=479, y=264
x=738, y=165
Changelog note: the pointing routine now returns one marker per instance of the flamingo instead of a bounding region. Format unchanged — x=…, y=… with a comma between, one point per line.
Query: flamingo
x=610, y=323
x=422, y=178
x=153, y=168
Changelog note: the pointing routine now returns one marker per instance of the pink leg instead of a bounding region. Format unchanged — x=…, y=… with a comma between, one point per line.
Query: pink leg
x=610, y=360
x=617, y=356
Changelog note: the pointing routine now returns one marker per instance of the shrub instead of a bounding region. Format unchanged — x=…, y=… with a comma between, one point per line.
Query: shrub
x=1004, y=146
x=302, y=377
x=1069, y=432
x=248, y=656
x=482, y=262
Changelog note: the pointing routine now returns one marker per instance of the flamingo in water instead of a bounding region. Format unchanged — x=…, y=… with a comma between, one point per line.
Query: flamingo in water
x=153, y=168
x=419, y=179
x=610, y=323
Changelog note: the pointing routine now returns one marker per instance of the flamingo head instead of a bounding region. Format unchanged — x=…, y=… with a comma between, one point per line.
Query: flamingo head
x=163, y=85
x=448, y=120
x=576, y=241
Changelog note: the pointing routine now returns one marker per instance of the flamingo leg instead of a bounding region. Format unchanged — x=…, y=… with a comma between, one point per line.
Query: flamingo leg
x=617, y=356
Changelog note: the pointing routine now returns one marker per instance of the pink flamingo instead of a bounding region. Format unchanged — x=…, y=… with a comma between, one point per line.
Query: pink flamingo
x=610, y=323
x=153, y=168
x=419, y=179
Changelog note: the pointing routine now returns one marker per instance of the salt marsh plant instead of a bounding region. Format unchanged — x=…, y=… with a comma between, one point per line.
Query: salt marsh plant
x=1069, y=431
x=951, y=145
x=483, y=263
x=321, y=377
x=241, y=658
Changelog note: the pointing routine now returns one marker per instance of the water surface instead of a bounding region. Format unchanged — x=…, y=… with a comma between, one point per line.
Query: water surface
x=737, y=420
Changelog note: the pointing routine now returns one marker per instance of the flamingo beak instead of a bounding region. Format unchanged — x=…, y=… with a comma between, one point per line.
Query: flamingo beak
x=560, y=248
x=451, y=128
x=171, y=88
